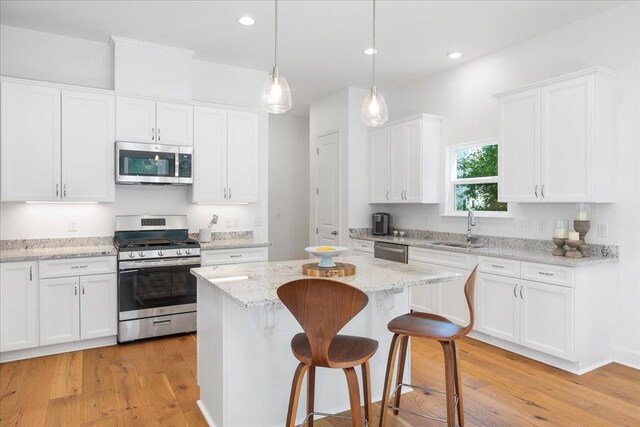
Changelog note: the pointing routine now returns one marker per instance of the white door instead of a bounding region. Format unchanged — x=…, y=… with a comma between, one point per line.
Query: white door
x=413, y=170
x=380, y=144
x=425, y=298
x=30, y=143
x=568, y=140
x=398, y=163
x=519, y=147
x=210, y=154
x=497, y=306
x=98, y=306
x=88, y=147
x=18, y=306
x=174, y=123
x=135, y=120
x=547, y=321
x=328, y=194
x=452, y=302
x=59, y=310
x=242, y=156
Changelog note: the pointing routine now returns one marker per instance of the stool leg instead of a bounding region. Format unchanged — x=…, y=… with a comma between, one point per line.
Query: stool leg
x=295, y=394
x=456, y=360
x=311, y=385
x=354, y=397
x=387, y=379
x=450, y=378
x=401, y=363
x=366, y=391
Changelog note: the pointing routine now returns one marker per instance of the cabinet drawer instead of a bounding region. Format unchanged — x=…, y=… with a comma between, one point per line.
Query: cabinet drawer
x=552, y=274
x=501, y=266
x=233, y=256
x=451, y=259
x=363, y=246
x=77, y=267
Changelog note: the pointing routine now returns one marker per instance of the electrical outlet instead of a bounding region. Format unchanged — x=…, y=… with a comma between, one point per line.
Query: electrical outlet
x=603, y=231
x=73, y=225
x=227, y=222
x=236, y=221
x=542, y=227
x=525, y=226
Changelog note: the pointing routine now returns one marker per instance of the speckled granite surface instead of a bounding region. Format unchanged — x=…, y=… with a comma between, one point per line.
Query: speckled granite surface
x=34, y=253
x=232, y=244
x=226, y=235
x=255, y=285
x=502, y=247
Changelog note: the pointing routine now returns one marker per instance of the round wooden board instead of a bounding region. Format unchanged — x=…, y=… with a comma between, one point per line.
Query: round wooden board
x=340, y=270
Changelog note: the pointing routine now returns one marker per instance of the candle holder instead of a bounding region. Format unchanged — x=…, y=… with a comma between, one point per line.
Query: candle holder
x=560, y=250
x=583, y=227
x=573, y=249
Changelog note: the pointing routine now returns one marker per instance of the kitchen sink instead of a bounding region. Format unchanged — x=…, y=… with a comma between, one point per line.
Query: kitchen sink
x=458, y=245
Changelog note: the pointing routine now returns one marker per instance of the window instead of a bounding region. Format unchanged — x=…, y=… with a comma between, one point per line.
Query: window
x=473, y=179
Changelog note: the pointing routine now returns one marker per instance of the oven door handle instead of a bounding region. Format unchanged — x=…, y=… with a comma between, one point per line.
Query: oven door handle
x=128, y=271
x=128, y=265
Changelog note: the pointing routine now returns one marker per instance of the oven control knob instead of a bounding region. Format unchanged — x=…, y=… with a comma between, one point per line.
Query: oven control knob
x=141, y=254
x=188, y=251
x=160, y=253
x=131, y=255
x=179, y=252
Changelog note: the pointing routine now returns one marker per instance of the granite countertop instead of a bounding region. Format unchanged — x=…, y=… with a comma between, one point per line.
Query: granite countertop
x=520, y=252
x=255, y=284
x=35, y=254
x=232, y=244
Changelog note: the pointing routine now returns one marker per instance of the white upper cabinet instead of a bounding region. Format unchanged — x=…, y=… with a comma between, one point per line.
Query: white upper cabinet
x=380, y=166
x=174, y=123
x=18, y=306
x=225, y=155
x=148, y=121
x=242, y=156
x=57, y=145
x=405, y=161
x=135, y=120
x=30, y=142
x=88, y=135
x=210, y=154
x=556, y=140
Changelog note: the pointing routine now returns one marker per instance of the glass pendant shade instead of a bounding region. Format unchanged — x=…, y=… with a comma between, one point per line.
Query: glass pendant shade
x=374, y=109
x=276, y=95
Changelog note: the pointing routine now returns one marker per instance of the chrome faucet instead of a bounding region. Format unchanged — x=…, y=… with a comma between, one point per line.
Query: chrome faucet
x=471, y=222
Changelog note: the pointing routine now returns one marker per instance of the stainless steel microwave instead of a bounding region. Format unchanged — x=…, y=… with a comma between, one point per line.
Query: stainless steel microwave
x=138, y=163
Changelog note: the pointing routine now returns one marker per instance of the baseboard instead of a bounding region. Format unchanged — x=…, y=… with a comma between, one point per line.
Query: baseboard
x=626, y=357
x=10, y=356
x=205, y=413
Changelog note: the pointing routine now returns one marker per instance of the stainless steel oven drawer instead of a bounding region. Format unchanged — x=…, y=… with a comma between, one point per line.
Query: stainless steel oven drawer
x=131, y=330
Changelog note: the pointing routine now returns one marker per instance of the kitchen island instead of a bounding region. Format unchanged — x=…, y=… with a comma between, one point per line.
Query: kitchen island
x=245, y=364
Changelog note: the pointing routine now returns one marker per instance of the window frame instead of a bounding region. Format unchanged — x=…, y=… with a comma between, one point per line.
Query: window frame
x=451, y=180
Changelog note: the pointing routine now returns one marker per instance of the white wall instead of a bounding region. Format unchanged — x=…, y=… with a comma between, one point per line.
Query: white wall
x=464, y=97
x=43, y=56
x=288, y=187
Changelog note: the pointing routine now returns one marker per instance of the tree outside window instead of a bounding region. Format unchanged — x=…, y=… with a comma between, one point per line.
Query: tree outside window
x=474, y=177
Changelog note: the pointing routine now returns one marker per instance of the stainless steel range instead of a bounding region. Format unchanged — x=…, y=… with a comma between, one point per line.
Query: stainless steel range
x=156, y=291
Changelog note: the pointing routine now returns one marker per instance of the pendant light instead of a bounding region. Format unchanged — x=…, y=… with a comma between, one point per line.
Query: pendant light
x=276, y=96
x=374, y=109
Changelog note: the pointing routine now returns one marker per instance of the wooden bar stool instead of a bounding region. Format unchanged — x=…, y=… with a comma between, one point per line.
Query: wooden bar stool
x=323, y=307
x=432, y=326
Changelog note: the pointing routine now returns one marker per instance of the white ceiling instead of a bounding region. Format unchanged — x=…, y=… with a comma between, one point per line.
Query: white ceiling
x=321, y=41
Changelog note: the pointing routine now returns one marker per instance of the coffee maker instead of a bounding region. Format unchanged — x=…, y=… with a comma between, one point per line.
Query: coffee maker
x=381, y=224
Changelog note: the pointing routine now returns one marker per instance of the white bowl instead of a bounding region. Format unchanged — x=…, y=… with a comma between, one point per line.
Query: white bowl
x=326, y=260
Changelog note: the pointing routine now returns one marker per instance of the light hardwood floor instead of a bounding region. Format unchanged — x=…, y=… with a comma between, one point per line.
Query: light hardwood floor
x=152, y=383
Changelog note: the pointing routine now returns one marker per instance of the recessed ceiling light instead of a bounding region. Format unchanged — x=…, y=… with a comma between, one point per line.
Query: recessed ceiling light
x=454, y=55
x=370, y=51
x=246, y=20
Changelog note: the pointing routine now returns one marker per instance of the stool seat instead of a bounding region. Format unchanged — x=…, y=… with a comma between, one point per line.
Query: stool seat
x=425, y=325
x=345, y=351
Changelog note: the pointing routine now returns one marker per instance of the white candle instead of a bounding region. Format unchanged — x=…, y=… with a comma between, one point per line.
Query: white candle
x=581, y=215
x=561, y=233
x=574, y=235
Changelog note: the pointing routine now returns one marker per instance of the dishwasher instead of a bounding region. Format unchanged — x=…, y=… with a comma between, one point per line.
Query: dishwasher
x=391, y=252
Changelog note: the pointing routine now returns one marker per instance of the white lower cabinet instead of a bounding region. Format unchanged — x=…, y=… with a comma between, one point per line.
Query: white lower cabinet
x=362, y=247
x=59, y=310
x=233, y=256
x=18, y=306
x=98, y=306
x=497, y=307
